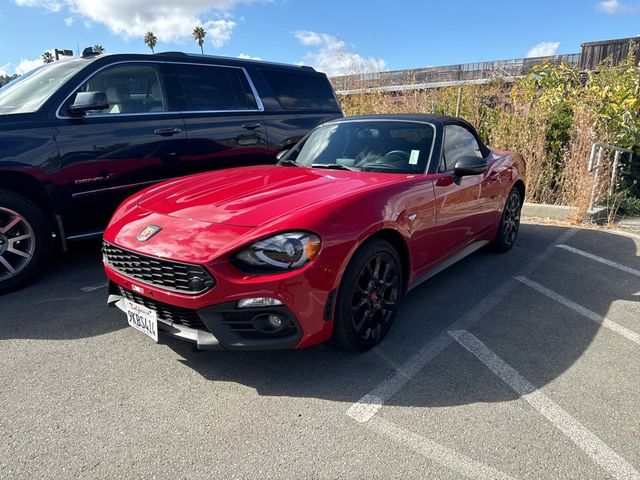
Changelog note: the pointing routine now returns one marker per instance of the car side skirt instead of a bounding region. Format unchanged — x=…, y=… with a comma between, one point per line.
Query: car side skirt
x=465, y=252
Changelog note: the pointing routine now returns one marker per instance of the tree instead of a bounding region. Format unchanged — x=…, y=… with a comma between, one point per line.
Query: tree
x=47, y=57
x=198, y=35
x=151, y=40
x=99, y=49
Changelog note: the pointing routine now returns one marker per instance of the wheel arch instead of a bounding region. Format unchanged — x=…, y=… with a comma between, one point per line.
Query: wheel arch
x=30, y=188
x=521, y=188
x=396, y=240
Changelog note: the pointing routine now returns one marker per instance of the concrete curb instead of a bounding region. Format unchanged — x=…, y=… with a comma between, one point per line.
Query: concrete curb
x=555, y=212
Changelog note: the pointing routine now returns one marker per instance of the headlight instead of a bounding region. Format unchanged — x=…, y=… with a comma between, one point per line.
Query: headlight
x=285, y=251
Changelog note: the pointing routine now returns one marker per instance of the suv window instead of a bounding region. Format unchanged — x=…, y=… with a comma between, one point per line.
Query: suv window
x=210, y=88
x=458, y=141
x=129, y=88
x=301, y=91
x=30, y=91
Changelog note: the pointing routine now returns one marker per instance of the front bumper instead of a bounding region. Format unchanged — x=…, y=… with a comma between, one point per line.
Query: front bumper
x=216, y=327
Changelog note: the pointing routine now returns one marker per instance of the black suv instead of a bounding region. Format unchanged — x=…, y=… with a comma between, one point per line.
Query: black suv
x=79, y=136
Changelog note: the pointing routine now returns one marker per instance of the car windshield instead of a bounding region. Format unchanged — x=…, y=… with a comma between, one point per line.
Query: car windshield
x=28, y=92
x=368, y=146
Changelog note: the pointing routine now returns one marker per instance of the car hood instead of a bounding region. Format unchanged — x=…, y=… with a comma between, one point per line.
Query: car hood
x=253, y=196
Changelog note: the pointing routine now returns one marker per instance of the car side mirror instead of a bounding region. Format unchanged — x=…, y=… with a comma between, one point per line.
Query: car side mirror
x=282, y=153
x=469, y=165
x=86, y=101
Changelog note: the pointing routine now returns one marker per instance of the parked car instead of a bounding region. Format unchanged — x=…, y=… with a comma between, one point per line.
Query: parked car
x=79, y=136
x=324, y=245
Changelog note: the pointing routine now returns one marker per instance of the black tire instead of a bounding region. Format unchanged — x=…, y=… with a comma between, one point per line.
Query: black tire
x=20, y=218
x=509, y=222
x=362, y=290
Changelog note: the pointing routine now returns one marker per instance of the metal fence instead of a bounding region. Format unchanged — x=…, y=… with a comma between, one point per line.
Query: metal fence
x=467, y=72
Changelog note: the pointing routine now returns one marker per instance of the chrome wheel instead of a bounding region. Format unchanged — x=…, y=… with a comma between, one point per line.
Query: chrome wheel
x=375, y=295
x=511, y=219
x=17, y=243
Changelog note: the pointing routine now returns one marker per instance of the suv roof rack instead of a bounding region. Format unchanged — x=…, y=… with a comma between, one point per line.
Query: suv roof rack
x=182, y=54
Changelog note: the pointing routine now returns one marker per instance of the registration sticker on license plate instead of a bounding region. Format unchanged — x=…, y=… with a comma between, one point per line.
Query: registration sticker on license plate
x=142, y=318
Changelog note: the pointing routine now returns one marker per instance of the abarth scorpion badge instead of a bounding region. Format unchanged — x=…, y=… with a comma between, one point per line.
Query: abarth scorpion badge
x=148, y=232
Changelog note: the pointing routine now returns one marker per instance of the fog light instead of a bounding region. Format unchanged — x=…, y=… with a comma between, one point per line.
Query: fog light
x=258, y=302
x=274, y=321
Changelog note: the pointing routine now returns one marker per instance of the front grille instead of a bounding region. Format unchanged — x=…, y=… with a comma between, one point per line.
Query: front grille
x=174, y=276
x=166, y=312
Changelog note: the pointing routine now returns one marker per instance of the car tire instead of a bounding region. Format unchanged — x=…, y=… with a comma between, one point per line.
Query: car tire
x=368, y=297
x=509, y=222
x=25, y=237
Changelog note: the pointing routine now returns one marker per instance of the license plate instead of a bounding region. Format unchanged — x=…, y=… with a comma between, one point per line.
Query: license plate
x=142, y=318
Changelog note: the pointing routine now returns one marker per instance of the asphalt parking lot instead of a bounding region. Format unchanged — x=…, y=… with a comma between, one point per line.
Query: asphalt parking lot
x=523, y=365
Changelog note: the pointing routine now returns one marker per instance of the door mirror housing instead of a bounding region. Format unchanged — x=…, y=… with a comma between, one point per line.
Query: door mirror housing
x=86, y=101
x=469, y=165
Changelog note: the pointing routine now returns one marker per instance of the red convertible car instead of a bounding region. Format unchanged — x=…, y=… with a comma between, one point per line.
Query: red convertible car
x=323, y=245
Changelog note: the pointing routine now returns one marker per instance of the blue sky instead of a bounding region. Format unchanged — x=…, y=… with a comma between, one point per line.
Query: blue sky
x=336, y=36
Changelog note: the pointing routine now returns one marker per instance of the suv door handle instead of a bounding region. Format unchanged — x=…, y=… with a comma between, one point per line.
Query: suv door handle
x=167, y=132
x=251, y=126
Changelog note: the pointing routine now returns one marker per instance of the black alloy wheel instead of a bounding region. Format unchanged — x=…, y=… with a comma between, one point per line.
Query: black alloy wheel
x=509, y=223
x=368, y=297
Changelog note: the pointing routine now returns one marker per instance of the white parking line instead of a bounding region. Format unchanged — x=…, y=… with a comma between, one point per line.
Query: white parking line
x=609, y=460
x=93, y=288
x=619, y=266
x=365, y=408
x=438, y=453
x=591, y=315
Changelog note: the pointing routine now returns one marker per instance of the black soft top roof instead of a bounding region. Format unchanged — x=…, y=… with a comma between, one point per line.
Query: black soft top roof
x=439, y=121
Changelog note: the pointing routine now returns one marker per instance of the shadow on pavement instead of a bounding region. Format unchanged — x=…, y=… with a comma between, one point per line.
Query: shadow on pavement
x=54, y=306
x=538, y=337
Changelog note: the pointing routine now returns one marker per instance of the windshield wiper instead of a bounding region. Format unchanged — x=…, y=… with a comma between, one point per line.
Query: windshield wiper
x=334, y=166
x=289, y=163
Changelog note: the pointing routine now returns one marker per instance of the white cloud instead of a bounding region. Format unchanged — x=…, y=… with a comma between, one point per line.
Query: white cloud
x=248, y=57
x=615, y=7
x=26, y=65
x=50, y=5
x=332, y=56
x=4, y=69
x=168, y=19
x=68, y=21
x=543, y=49
x=219, y=31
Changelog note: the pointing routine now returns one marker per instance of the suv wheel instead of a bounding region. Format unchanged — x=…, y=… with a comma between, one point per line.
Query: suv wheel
x=24, y=238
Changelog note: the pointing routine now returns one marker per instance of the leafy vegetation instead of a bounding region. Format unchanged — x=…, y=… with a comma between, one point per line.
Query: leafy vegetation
x=552, y=117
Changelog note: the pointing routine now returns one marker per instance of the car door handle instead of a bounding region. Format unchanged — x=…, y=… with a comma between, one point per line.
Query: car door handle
x=251, y=126
x=167, y=132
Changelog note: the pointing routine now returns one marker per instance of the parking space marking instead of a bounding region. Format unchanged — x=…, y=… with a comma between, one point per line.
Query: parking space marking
x=604, y=261
x=438, y=453
x=600, y=452
x=585, y=312
x=94, y=288
x=365, y=408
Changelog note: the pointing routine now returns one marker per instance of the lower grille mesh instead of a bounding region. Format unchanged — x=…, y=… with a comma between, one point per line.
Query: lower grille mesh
x=166, y=312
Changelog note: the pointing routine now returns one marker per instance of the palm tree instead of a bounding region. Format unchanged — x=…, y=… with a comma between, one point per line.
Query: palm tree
x=47, y=57
x=97, y=48
x=198, y=35
x=150, y=39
